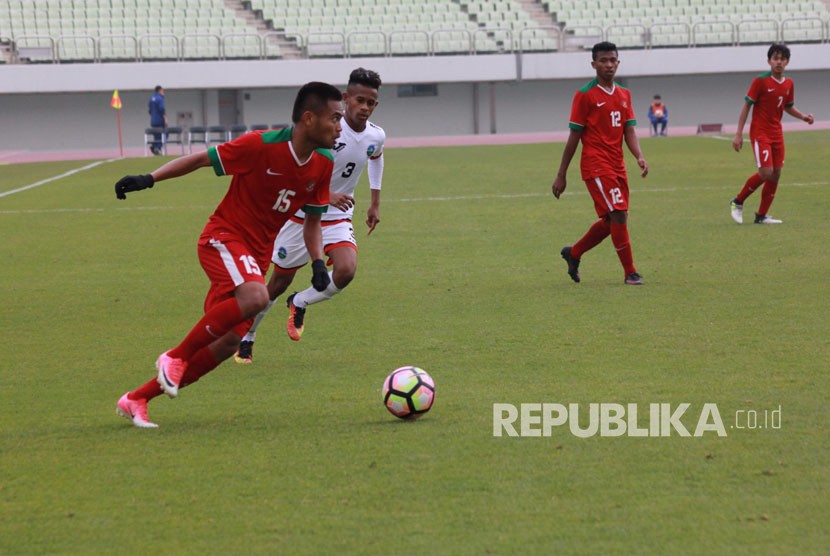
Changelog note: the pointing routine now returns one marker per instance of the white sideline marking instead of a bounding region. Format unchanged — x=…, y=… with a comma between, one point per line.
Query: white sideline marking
x=411, y=200
x=53, y=178
x=583, y=192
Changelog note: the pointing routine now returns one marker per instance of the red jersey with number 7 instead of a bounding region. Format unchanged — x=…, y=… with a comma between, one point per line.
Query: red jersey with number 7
x=602, y=115
x=768, y=97
x=269, y=185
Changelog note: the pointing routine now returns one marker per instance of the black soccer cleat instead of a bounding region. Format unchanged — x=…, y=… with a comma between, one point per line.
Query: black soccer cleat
x=573, y=264
x=634, y=279
x=296, y=315
x=245, y=353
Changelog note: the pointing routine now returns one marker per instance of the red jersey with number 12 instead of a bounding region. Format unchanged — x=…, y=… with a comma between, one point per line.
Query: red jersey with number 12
x=768, y=98
x=269, y=185
x=602, y=115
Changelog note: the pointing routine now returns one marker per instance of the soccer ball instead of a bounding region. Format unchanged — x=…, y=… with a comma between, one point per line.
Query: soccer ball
x=408, y=392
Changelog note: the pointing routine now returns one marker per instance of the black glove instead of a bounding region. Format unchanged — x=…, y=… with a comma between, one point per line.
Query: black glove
x=319, y=275
x=133, y=183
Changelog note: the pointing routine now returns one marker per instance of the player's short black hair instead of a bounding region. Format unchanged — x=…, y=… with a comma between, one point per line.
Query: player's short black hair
x=363, y=76
x=314, y=97
x=159, y=88
x=778, y=48
x=603, y=46
x=657, y=97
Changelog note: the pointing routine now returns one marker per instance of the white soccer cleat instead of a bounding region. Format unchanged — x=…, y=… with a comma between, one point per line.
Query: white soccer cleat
x=737, y=211
x=764, y=219
x=135, y=411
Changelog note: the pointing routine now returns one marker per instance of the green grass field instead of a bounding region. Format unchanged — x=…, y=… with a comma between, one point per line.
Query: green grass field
x=295, y=454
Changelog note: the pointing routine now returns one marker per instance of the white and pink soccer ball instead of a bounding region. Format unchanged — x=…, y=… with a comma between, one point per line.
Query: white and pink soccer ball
x=408, y=392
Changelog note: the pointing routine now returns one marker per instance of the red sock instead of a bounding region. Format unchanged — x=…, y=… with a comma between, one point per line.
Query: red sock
x=216, y=322
x=199, y=365
x=753, y=183
x=591, y=239
x=147, y=391
x=619, y=235
x=767, y=196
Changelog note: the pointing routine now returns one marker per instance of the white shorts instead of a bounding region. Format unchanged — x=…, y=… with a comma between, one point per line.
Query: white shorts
x=290, y=252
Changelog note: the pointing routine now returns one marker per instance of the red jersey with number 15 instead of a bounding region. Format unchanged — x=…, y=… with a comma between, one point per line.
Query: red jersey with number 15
x=602, y=115
x=269, y=185
x=768, y=98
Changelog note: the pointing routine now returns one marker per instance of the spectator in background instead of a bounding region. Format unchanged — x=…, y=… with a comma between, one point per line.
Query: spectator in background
x=658, y=114
x=158, y=117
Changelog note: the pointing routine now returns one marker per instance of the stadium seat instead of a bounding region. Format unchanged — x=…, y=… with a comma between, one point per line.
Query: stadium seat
x=196, y=135
x=173, y=136
x=85, y=30
x=216, y=134
x=236, y=130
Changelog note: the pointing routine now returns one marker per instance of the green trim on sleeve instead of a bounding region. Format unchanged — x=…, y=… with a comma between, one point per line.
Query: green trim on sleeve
x=575, y=127
x=631, y=122
x=749, y=100
x=215, y=161
x=315, y=209
x=790, y=104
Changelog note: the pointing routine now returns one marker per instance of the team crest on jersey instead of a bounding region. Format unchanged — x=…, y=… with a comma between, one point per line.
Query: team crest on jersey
x=282, y=253
x=371, y=150
x=310, y=185
x=625, y=104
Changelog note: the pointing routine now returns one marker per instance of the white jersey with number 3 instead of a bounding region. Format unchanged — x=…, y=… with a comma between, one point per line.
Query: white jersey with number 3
x=352, y=150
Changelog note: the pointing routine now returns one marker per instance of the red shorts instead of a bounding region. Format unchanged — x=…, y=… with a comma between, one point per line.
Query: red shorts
x=768, y=154
x=228, y=264
x=609, y=193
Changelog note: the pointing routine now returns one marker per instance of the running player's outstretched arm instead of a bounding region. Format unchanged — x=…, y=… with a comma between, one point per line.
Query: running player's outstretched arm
x=560, y=182
x=633, y=143
x=796, y=113
x=175, y=168
x=182, y=166
x=375, y=181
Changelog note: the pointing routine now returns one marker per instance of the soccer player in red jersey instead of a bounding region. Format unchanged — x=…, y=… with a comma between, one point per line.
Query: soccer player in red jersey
x=770, y=95
x=274, y=173
x=602, y=117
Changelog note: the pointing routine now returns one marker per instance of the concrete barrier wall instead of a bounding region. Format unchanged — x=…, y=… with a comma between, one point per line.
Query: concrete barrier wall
x=67, y=106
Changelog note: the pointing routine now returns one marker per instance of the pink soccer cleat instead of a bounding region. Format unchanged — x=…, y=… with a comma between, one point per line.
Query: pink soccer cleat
x=171, y=371
x=135, y=411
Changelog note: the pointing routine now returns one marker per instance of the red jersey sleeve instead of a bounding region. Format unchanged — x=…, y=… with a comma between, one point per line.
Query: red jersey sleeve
x=318, y=203
x=237, y=156
x=790, y=100
x=579, y=112
x=754, y=92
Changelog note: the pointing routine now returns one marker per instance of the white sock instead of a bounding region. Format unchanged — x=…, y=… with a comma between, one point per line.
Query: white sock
x=311, y=296
x=249, y=337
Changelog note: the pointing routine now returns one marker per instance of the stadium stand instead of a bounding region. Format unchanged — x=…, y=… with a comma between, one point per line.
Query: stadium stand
x=137, y=30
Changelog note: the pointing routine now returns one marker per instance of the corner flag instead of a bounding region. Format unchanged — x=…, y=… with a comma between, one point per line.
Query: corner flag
x=116, y=103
